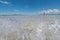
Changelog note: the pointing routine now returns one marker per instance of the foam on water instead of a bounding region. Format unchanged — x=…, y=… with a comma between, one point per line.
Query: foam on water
x=29, y=28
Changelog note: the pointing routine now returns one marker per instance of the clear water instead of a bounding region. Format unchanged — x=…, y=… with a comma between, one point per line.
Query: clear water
x=42, y=27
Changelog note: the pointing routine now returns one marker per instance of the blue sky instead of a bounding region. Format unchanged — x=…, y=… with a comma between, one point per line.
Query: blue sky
x=27, y=6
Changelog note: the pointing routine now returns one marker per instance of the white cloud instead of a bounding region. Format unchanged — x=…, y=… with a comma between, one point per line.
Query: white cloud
x=5, y=2
x=50, y=11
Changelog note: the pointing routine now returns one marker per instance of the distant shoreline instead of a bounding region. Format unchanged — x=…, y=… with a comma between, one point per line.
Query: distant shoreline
x=26, y=15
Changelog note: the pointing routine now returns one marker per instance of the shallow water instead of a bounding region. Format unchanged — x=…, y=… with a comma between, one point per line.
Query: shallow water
x=42, y=27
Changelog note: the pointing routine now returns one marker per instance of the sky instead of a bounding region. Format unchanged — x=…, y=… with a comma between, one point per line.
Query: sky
x=29, y=6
